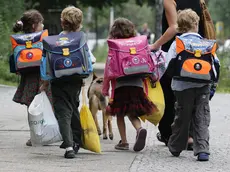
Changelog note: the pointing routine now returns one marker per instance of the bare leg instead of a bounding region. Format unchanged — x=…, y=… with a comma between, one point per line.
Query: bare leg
x=121, y=128
x=141, y=134
x=190, y=140
x=135, y=122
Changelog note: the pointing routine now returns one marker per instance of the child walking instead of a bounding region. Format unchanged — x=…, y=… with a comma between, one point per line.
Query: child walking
x=66, y=91
x=192, y=58
x=129, y=97
x=30, y=22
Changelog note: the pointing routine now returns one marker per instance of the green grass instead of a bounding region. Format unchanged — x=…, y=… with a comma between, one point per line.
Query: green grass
x=224, y=81
x=3, y=82
x=7, y=78
x=101, y=53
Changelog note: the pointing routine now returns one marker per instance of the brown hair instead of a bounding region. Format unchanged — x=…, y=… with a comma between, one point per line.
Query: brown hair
x=187, y=20
x=71, y=18
x=29, y=18
x=122, y=28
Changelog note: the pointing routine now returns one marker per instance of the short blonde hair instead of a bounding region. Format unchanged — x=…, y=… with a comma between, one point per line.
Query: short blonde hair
x=71, y=18
x=187, y=20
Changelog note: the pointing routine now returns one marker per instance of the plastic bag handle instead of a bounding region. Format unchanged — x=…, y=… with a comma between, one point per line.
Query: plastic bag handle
x=83, y=96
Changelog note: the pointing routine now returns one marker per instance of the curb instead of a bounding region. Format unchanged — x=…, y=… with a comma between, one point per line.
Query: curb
x=99, y=66
x=7, y=86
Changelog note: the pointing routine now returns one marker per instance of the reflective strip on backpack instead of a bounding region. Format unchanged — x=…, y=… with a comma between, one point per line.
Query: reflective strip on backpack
x=184, y=73
x=68, y=72
x=21, y=65
x=137, y=69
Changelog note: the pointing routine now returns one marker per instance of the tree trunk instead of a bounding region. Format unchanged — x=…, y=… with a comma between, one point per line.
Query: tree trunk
x=158, y=17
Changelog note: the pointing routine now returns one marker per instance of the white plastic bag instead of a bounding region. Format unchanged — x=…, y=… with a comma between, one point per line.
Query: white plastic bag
x=44, y=128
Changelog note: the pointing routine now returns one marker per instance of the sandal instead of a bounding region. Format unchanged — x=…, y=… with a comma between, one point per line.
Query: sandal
x=122, y=146
x=140, y=140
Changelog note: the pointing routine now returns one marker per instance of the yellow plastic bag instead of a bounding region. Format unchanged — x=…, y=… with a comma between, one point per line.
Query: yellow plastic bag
x=90, y=137
x=156, y=95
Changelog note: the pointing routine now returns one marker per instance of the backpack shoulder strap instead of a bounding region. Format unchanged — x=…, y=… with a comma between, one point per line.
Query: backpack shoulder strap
x=180, y=46
x=83, y=39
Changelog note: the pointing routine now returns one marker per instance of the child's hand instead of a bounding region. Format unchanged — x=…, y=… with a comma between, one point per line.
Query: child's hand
x=44, y=86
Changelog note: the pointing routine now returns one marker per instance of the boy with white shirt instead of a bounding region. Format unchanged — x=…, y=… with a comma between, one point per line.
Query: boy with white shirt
x=191, y=61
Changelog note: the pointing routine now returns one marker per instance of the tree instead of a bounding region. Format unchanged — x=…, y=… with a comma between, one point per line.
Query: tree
x=101, y=3
x=7, y=18
x=44, y=5
x=158, y=17
x=220, y=11
x=136, y=13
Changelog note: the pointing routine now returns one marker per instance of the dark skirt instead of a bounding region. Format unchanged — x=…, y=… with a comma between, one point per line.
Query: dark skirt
x=28, y=88
x=131, y=101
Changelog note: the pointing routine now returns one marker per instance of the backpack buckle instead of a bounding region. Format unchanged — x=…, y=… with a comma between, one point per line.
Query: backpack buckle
x=197, y=53
x=133, y=50
x=65, y=51
x=28, y=44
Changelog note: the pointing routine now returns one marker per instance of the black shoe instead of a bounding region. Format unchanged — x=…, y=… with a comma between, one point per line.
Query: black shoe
x=69, y=154
x=76, y=148
x=190, y=147
x=176, y=154
x=62, y=146
x=162, y=138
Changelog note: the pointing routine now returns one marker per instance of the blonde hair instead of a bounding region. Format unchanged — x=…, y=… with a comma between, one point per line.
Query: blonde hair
x=71, y=18
x=187, y=20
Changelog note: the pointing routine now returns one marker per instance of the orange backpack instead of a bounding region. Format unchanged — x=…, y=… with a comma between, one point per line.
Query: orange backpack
x=27, y=50
x=195, y=60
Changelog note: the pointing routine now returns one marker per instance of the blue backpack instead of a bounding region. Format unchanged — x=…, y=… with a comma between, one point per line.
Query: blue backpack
x=65, y=55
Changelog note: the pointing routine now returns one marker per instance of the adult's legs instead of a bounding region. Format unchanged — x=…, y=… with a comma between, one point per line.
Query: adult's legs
x=169, y=113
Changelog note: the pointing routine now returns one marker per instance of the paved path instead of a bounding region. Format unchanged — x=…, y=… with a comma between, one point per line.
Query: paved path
x=16, y=157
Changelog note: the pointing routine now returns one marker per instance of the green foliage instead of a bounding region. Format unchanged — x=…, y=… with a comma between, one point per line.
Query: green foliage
x=8, y=17
x=137, y=14
x=101, y=53
x=224, y=82
x=10, y=12
x=220, y=11
x=101, y=3
x=44, y=5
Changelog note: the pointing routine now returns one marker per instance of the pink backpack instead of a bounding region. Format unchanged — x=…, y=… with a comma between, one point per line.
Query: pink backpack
x=129, y=57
